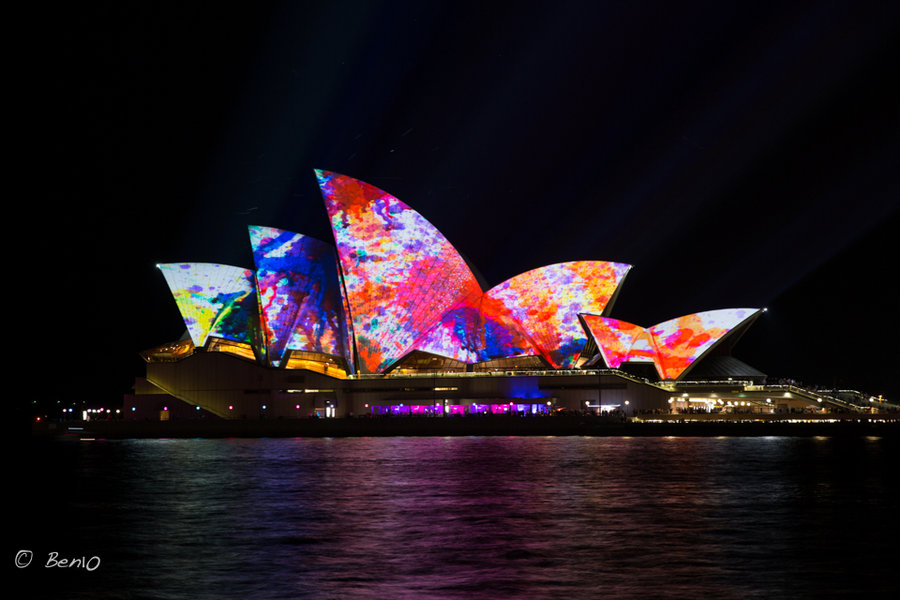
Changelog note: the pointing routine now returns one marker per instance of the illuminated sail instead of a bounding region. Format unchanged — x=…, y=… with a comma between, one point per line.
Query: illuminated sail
x=546, y=302
x=299, y=296
x=401, y=275
x=672, y=346
x=684, y=340
x=211, y=297
x=394, y=284
x=614, y=338
x=474, y=332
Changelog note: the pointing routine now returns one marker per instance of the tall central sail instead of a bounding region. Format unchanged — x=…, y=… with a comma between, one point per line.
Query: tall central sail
x=401, y=275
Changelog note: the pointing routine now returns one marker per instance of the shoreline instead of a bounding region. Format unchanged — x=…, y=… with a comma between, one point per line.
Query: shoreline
x=507, y=426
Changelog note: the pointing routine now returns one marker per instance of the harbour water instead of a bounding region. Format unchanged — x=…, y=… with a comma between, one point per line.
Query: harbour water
x=459, y=517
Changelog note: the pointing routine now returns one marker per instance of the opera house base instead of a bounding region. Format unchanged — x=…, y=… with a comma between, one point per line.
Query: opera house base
x=215, y=394
x=221, y=385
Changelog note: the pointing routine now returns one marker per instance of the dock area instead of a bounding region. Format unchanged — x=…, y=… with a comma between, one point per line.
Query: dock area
x=495, y=425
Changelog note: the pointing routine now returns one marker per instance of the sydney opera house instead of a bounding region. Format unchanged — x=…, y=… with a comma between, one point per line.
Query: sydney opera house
x=390, y=320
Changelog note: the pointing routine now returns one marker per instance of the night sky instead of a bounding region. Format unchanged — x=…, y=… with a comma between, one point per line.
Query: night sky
x=737, y=154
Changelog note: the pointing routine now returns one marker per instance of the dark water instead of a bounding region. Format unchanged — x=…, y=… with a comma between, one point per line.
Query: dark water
x=555, y=517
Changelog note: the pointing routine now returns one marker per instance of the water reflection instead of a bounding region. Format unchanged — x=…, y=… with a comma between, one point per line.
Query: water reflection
x=476, y=517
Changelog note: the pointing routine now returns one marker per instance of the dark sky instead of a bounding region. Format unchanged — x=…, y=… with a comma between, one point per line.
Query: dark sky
x=737, y=154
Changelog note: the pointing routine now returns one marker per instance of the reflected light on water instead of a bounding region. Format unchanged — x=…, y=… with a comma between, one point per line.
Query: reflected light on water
x=458, y=517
